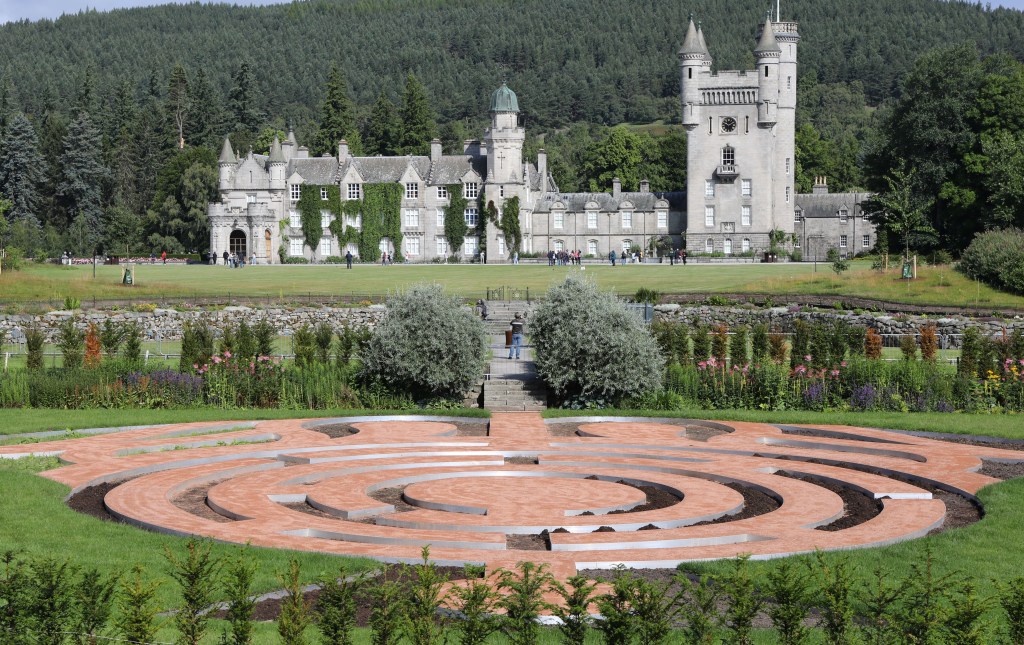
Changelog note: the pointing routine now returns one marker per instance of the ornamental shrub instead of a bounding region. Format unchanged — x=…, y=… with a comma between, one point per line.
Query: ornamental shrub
x=738, y=347
x=34, y=341
x=590, y=346
x=701, y=344
x=929, y=342
x=996, y=258
x=872, y=344
x=720, y=342
x=759, y=343
x=93, y=353
x=428, y=345
x=71, y=343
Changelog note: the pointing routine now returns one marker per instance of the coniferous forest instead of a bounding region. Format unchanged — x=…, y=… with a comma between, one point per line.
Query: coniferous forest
x=112, y=121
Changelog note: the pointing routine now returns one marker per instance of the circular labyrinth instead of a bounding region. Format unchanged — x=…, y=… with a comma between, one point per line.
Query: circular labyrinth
x=576, y=494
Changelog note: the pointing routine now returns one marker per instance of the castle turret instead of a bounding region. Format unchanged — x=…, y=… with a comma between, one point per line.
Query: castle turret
x=277, y=166
x=504, y=139
x=704, y=46
x=767, y=54
x=289, y=146
x=691, y=62
x=227, y=163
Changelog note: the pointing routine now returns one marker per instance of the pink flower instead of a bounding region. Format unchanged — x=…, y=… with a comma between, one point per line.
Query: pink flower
x=800, y=369
x=807, y=358
x=842, y=364
x=702, y=364
x=195, y=366
x=835, y=372
x=227, y=354
x=217, y=360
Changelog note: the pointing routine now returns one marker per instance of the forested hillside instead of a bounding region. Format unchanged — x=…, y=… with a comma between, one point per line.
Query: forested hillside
x=110, y=123
x=602, y=61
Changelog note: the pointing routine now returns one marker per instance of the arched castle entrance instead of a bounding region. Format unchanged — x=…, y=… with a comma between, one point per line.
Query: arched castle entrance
x=237, y=244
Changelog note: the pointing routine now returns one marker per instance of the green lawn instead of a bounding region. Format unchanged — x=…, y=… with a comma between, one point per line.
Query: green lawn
x=51, y=284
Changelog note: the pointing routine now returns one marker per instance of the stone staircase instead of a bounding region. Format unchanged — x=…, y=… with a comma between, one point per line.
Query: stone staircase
x=504, y=395
x=511, y=385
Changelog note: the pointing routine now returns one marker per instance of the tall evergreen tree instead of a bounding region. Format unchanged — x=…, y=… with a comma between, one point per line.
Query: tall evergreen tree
x=419, y=126
x=150, y=142
x=205, y=112
x=383, y=129
x=124, y=153
x=337, y=117
x=80, y=190
x=22, y=171
x=53, y=127
x=242, y=106
x=178, y=102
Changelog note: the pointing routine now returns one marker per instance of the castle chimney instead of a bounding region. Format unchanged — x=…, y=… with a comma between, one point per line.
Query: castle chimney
x=616, y=187
x=542, y=168
x=820, y=185
x=342, y=151
x=645, y=186
x=435, y=150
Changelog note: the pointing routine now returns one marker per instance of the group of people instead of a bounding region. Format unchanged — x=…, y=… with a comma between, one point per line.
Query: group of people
x=564, y=258
x=678, y=255
x=235, y=260
x=386, y=259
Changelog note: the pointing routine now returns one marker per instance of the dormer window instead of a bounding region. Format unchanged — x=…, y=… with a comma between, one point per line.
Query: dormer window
x=296, y=192
x=442, y=192
x=355, y=191
x=412, y=190
x=627, y=219
x=472, y=190
x=323, y=193
x=843, y=215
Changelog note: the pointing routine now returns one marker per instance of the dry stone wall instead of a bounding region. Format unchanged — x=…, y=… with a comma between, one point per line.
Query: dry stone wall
x=167, y=324
x=782, y=319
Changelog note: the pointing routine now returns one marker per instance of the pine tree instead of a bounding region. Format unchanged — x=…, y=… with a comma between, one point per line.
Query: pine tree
x=242, y=106
x=124, y=154
x=419, y=126
x=337, y=117
x=384, y=128
x=205, y=112
x=80, y=190
x=22, y=171
x=178, y=102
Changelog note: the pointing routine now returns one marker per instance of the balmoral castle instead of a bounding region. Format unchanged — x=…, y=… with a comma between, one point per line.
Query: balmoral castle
x=741, y=171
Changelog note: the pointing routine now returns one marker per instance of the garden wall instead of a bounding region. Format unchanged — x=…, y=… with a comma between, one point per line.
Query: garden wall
x=167, y=324
x=949, y=328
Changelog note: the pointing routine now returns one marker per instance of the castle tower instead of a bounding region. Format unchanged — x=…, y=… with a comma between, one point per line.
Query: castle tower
x=505, y=174
x=277, y=166
x=740, y=143
x=227, y=163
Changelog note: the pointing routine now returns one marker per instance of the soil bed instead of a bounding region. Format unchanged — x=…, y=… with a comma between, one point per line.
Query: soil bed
x=90, y=500
x=194, y=501
x=857, y=507
x=755, y=503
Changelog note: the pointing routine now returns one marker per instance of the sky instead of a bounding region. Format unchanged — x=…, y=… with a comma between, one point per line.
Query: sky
x=36, y=9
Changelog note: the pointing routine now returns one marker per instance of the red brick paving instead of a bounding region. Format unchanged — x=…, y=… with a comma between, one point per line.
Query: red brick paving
x=466, y=498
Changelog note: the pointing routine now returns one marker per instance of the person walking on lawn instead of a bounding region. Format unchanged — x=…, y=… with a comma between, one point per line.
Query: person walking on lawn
x=517, y=325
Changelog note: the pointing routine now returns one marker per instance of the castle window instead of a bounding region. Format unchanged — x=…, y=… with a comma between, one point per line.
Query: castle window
x=559, y=220
x=592, y=247
x=728, y=156
x=745, y=188
x=789, y=82
x=787, y=165
x=250, y=198
x=627, y=219
x=325, y=219
x=746, y=245
x=744, y=216
x=558, y=246
x=709, y=245
x=412, y=218
x=501, y=245
x=787, y=194
x=412, y=190
x=843, y=215
x=627, y=245
x=843, y=240
x=711, y=126
x=709, y=216
x=727, y=246
x=472, y=190
x=796, y=243
x=798, y=215
x=323, y=193
x=355, y=191
x=470, y=214
x=662, y=219
x=709, y=188
x=412, y=246
x=293, y=219
x=470, y=246
x=766, y=71
x=866, y=241
x=295, y=247
x=591, y=219
x=326, y=247
x=442, y=192
x=440, y=218
x=501, y=191
x=296, y=191
x=442, y=246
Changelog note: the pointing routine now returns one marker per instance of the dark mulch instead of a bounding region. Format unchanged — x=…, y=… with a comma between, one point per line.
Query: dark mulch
x=694, y=431
x=857, y=507
x=1002, y=471
x=656, y=499
x=471, y=428
x=394, y=497
x=194, y=501
x=336, y=430
x=755, y=503
x=604, y=529
x=825, y=434
x=528, y=542
x=90, y=500
x=521, y=461
x=967, y=441
x=960, y=511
